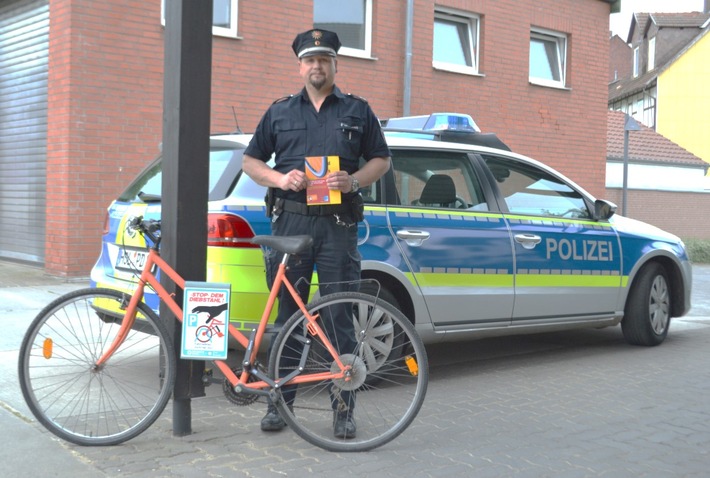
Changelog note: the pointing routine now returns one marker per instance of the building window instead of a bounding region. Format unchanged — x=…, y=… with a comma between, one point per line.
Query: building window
x=637, y=62
x=224, y=17
x=652, y=54
x=350, y=19
x=548, y=58
x=455, y=41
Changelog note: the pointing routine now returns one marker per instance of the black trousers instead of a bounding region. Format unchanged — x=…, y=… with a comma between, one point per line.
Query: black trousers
x=337, y=260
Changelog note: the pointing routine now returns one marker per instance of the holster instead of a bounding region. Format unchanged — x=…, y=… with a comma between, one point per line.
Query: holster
x=269, y=200
x=274, y=205
x=358, y=208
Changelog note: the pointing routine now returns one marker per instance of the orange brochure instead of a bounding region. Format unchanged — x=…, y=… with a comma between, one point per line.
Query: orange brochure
x=317, y=168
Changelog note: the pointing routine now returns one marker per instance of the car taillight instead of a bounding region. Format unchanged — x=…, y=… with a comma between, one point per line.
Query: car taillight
x=106, y=224
x=228, y=230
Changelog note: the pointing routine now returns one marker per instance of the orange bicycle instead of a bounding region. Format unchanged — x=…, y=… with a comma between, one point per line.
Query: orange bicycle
x=97, y=366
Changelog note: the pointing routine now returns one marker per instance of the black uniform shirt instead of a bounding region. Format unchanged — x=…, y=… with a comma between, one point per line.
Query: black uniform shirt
x=292, y=129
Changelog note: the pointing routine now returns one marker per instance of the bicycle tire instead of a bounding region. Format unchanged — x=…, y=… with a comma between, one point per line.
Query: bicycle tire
x=383, y=408
x=82, y=404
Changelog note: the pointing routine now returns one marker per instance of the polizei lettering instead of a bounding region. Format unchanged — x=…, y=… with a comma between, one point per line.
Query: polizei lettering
x=586, y=250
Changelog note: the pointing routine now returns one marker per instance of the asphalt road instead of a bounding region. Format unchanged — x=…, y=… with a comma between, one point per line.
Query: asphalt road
x=570, y=404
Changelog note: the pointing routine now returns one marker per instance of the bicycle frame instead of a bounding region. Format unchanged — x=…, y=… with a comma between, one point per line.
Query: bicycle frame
x=252, y=345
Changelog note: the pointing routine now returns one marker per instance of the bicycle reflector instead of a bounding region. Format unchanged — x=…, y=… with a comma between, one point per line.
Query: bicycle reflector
x=228, y=230
x=47, y=348
x=412, y=365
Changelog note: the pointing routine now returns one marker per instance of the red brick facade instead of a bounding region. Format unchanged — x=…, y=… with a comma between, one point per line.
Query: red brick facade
x=105, y=91
x=683, y=214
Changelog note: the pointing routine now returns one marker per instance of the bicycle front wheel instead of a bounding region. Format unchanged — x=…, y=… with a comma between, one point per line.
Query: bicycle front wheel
x=381, y=396
x=83, y=403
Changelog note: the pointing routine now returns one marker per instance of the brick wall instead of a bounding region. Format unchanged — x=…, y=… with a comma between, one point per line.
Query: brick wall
x=104, y=118
x=683, y=214
x=105, y=91
x=620, y=59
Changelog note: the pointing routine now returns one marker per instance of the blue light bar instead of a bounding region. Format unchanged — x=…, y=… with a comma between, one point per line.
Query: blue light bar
x=435, y=122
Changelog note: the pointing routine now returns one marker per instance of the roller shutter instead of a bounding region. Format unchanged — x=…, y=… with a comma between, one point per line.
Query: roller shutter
x=24, y=46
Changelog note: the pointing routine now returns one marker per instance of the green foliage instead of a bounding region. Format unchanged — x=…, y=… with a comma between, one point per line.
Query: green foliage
x=698, y=250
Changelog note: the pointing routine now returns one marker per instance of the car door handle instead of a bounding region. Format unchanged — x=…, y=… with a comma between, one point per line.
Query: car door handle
x=413, y=238
x=528, y=241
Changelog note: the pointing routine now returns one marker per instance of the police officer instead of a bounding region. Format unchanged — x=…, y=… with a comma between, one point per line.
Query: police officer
x=318, y=121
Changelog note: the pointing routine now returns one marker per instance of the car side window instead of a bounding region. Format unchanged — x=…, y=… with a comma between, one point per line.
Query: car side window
x=532, y=191
x=434, y=179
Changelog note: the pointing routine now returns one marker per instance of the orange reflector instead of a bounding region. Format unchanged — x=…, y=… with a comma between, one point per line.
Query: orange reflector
x=47, y=348
x=412, y=365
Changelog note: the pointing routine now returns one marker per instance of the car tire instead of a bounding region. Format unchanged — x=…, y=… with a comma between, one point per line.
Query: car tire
x=647, y=313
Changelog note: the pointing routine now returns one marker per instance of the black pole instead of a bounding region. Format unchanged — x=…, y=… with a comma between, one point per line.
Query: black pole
x=186, y=130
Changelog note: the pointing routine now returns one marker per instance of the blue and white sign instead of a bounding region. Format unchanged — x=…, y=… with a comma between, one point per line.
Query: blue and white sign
x=205, y=321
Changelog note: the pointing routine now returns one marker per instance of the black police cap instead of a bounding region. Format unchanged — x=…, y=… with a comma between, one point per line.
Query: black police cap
x=316, y=42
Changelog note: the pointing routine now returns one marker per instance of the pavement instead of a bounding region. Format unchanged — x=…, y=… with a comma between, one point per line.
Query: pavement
x=572, y=404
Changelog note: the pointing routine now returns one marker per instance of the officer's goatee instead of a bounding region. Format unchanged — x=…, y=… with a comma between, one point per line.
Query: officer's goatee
x=318, y=83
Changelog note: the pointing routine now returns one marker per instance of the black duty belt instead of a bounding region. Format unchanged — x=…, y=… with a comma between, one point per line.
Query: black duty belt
x=306, y=210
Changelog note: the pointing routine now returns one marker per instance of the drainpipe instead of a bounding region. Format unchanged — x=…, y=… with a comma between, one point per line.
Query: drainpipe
x=407, y=89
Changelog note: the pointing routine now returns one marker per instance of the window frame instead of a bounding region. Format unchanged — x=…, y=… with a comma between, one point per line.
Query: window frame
x=651, y=53
x=636, y=66
x=472, y=22
x=231, y=32
x=366, y=52
x=561, y=42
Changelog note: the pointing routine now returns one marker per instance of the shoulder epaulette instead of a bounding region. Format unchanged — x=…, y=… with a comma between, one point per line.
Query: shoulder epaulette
x=283, y=98
x=357, y=97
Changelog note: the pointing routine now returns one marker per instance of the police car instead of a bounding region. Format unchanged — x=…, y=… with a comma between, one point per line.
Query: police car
x=467, y=238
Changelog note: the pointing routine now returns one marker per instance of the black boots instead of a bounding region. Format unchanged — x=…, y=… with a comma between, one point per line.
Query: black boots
x=272, y=421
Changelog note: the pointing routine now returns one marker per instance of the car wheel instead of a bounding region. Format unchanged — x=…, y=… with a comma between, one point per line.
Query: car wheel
x=647, y=314
x=379, y=348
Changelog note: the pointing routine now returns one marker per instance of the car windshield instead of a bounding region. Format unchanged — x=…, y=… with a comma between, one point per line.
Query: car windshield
x=147, y=187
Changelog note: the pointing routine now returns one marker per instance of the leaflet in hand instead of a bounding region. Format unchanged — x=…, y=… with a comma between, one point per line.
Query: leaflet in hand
x=317, y=168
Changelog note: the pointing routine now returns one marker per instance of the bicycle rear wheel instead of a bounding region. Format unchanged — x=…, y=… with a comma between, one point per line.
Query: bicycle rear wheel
x=386, y=398
x=78, y=401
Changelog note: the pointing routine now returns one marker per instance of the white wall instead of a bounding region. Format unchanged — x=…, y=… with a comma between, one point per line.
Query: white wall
x=661, y=178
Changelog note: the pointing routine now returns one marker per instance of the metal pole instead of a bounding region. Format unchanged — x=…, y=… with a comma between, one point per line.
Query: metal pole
x=624, y=188
x=407, y=89
x=186, y=137
x=630, y=124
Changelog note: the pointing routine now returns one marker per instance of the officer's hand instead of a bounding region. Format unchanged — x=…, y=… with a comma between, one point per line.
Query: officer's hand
x=294, y=180
x=340, y=181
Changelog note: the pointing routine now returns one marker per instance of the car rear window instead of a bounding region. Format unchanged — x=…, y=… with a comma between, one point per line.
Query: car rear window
x=147, y=187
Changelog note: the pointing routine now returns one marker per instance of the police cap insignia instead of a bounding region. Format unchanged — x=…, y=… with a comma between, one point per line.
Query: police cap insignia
x=316, y=42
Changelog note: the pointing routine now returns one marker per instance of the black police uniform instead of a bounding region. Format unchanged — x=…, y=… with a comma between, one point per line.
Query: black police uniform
x=292, y=129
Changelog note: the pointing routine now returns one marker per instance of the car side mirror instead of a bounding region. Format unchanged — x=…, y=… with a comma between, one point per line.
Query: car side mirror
x=603, y=209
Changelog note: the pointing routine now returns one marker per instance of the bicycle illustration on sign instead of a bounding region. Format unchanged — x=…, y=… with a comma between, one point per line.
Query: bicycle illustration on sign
x=204, y=333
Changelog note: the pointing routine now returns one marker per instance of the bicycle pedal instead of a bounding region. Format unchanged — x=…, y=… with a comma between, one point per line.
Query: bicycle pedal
x=208, y=377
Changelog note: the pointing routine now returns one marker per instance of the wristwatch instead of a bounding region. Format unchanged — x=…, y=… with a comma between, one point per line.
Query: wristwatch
x=355, y=185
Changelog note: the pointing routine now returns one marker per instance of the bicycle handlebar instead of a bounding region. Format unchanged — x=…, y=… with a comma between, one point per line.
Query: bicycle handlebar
x=147, y=227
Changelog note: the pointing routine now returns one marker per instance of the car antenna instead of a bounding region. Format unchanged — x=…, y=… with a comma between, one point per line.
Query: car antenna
x=238, y=130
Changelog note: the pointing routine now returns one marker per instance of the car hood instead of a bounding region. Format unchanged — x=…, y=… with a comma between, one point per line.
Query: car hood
x=633, y=227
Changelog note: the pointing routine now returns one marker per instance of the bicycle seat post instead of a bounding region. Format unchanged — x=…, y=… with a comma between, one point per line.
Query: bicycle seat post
x=285, y=258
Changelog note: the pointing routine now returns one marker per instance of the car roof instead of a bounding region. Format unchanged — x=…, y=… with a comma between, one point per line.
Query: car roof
x=399, y=140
